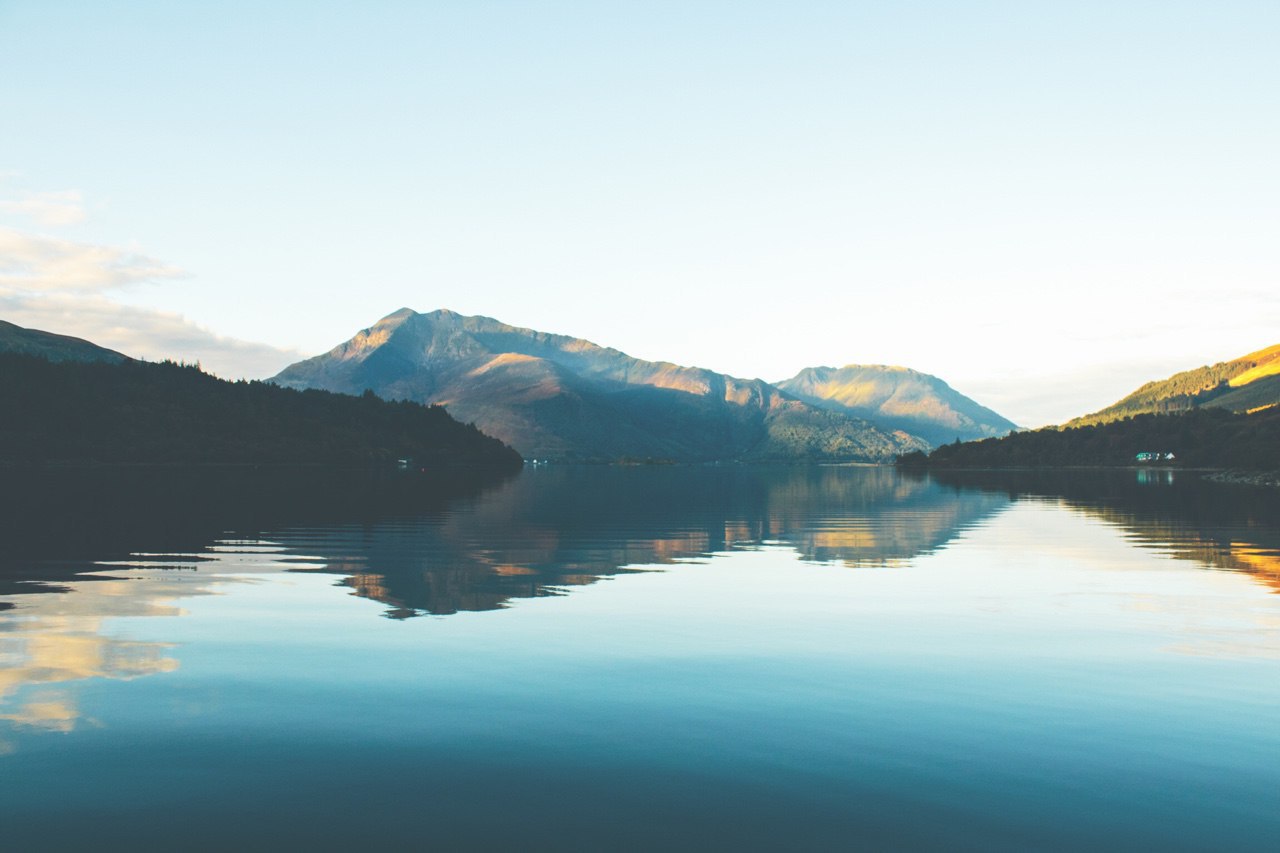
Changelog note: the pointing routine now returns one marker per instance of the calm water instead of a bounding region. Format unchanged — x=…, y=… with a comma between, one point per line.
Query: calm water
x=605, y=658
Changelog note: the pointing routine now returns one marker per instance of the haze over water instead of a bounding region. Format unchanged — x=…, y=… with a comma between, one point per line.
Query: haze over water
x=651, y=658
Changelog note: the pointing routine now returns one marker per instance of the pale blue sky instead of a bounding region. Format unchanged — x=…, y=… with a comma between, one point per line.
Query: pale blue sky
x=1043, y=203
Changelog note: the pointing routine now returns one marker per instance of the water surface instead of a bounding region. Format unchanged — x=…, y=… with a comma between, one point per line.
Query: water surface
x=675, y=658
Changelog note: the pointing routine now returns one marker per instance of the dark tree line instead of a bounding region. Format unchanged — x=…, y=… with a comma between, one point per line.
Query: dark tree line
x=166, y=413
x=1209, y=438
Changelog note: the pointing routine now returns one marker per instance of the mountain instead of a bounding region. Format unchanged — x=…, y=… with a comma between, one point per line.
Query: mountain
x=51, y=347
x=898, y=398
x=558, y=397
x=144, y=412
x=1245, y=384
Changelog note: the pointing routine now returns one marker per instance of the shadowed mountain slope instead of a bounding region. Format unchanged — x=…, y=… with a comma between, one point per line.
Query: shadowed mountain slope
x=1244, y=384
x=898, y=398
x=51, y=347
x=558, y=397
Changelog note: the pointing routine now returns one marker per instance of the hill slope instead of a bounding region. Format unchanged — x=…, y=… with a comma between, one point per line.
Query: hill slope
x=140, y=412
x=46, y=345
x=1207, y=437
x=1243, y=384
x=560, y=397
x=898, y=398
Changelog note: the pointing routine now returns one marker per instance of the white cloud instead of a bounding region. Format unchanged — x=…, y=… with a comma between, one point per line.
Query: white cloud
x=34, y=263
x=50, y=208
x=145, y=333
x=63, y=286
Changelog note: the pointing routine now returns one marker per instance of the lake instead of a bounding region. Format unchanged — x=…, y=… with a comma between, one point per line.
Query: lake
x=669, y=658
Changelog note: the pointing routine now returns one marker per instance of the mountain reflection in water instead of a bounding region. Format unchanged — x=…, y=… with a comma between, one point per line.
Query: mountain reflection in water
x=1228, y=527
x=425, y=547
x=557, y=528
x=534, y=535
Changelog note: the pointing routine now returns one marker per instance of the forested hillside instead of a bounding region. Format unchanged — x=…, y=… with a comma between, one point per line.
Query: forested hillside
x=51, y=347
x=1244, y=384
x=140, y=412
x=1212, y=438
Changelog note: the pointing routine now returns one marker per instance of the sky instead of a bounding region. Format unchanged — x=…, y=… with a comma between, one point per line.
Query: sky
x=1045, y=204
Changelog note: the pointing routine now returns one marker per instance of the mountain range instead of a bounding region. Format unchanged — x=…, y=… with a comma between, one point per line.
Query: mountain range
x=1246, y=384
x=558, y=397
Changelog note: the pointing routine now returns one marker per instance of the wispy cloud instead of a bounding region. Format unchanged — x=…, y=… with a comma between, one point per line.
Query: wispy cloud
x=68, y=287
x=35, y=263
x=53, y=209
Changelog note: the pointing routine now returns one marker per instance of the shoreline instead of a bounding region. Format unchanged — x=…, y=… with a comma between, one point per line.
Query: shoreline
x=1238, y=477
x=1224, y=476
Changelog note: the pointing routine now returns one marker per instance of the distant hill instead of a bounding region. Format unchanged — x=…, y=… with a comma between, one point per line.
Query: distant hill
x=558, y=397
x=16, y=339
x=141, y=412
x=1244, y=384
x=898, y=398
x=1206, y=437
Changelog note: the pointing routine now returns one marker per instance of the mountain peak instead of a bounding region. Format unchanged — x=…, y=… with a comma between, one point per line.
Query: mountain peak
x=887, y=368
x=441, y=314
x=897, y=397
x=828, y=370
